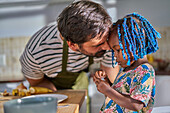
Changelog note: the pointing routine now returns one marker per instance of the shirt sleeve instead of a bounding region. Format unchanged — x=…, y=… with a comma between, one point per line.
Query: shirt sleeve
x=106, y=60
x=143, y=85
x=29, y=66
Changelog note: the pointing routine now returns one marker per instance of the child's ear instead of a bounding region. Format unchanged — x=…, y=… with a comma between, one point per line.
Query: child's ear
x=73, y=46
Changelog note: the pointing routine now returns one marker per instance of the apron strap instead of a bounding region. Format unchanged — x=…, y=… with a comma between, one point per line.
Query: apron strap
x=90, y=61
x=65, y=56
x=65, y=79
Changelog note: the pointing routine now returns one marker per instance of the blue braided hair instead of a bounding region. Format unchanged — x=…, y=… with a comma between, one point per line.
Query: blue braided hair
x=137, y=35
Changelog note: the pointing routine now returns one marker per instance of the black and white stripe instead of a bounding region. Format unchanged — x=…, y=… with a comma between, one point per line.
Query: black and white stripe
x=43, y=55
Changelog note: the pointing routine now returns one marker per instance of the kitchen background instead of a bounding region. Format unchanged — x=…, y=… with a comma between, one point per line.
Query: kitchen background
x=20, y=19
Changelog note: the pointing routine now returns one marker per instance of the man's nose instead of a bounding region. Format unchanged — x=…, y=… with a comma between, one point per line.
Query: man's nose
x=105, y=46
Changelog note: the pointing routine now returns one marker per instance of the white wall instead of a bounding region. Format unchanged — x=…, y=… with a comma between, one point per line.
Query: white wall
x=26, y=20
x=156, y=11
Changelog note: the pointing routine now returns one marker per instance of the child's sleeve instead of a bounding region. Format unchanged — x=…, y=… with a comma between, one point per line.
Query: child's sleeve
x=143, y=86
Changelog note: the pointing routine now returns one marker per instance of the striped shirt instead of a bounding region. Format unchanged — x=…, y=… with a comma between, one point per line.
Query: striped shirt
x=43, y=55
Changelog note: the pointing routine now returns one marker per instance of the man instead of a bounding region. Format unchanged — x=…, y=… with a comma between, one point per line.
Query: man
x=48, y=62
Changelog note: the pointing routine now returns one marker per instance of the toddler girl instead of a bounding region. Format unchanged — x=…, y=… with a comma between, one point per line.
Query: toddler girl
x=133, y=91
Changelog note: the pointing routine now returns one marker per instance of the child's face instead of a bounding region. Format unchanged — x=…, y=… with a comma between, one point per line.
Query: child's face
x=114, y=44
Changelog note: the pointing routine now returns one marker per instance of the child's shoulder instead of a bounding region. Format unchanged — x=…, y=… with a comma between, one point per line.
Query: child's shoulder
x=143, y=68
x=146, y=67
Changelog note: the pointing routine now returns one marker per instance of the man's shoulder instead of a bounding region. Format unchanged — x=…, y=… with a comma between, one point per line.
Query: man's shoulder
x=50, y=34
x=48, y=31
x=46, y=37
x=54, y=23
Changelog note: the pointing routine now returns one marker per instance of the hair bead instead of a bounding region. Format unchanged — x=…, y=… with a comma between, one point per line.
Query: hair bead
x=140, y=38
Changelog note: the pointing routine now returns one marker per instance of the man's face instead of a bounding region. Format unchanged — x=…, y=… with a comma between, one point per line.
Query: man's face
x=97, y=46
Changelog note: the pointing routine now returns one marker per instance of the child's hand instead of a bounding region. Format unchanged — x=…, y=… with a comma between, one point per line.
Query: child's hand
x=101, y=84
x=100, y=74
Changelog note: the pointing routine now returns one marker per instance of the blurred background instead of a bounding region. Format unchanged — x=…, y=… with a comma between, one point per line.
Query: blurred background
x=20, y=19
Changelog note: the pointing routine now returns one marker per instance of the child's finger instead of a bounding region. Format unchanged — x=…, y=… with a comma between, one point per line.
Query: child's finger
x=97, y=74
x=102, y=74
x=96, y=80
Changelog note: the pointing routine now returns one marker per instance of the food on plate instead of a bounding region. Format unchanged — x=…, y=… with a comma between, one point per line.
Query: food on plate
x=39, y=90
x=15, y=92
x=24, y=92
x=28, y=93
x=5, y=93
x=20, y=90
x=21, y=93
x=21, y=87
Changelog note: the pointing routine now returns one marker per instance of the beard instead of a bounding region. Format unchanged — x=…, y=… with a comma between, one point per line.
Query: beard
x=97, y=54
x=100, y=53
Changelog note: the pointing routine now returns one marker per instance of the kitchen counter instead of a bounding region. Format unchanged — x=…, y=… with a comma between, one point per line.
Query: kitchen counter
x=74, y=101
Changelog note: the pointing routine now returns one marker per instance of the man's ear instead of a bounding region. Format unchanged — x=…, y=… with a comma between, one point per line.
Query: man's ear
x=73, y=46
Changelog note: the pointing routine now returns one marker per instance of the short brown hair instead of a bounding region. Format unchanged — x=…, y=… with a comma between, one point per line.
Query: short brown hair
x=82, y=19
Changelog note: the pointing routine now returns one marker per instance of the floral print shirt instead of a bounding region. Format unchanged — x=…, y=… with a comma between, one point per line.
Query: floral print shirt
x=139, y=83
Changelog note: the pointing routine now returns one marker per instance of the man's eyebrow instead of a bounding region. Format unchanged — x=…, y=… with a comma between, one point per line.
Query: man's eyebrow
x=114, y=46
x=98, y=44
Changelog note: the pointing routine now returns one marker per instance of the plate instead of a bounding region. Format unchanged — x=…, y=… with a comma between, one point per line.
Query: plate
x=60, y=97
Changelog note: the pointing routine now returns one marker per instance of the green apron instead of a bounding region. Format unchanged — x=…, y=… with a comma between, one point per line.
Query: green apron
x=71, y=80
x=68, y=80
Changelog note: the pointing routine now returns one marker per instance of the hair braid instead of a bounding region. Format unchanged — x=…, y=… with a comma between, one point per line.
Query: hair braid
x=138, y=35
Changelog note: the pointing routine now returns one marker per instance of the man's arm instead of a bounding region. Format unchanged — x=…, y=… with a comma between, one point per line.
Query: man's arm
x=111, y=72
x=32, y=71
x=43, y=82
